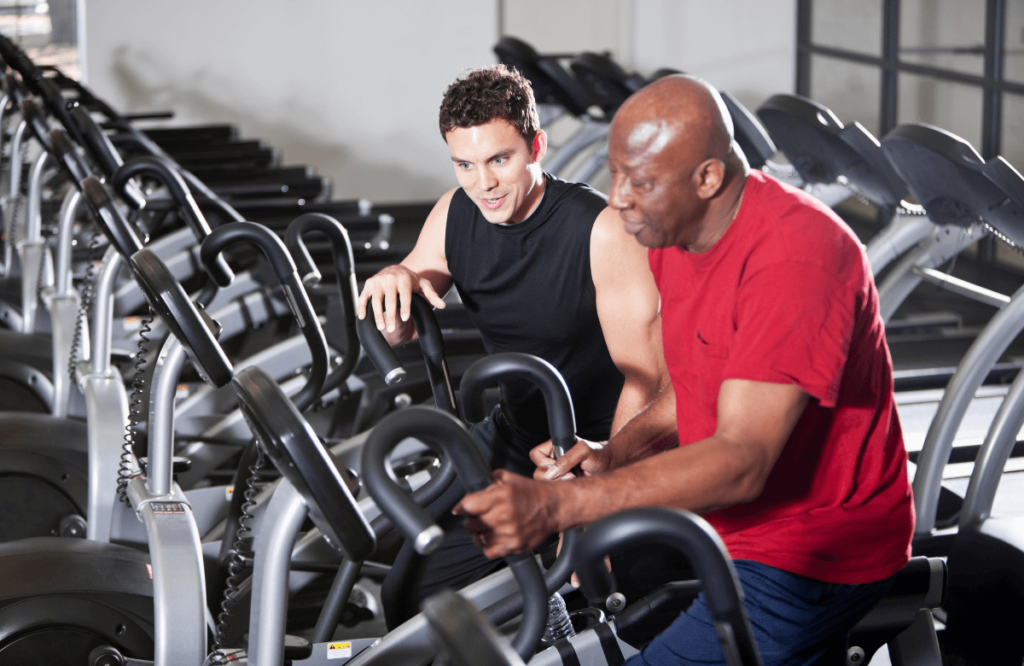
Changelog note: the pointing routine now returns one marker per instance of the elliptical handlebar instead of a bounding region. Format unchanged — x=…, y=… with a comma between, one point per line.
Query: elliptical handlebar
x=280, y=260
x=513, y=365
x=694, y=537
x=344, y=264
x=431, y=344
x=166, y=172
x=447, y=433
x=65, y=152
x=121, y=233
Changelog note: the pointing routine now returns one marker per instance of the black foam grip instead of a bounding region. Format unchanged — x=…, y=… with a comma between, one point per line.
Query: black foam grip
x=377, y=348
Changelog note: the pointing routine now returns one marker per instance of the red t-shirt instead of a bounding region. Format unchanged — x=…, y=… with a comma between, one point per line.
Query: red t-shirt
x=786, y=296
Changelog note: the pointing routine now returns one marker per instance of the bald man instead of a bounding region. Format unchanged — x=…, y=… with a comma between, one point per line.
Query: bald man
x=782, y=396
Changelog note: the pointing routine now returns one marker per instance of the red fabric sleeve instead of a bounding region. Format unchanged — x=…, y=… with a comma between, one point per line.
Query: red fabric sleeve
x=794, y=323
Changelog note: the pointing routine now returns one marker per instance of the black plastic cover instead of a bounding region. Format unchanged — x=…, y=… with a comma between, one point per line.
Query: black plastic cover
x=170, y=302
x=297, y=453
x=821, y=149
x=608, y=84
x=749, y=133
x=945, y=174
x=551, y=83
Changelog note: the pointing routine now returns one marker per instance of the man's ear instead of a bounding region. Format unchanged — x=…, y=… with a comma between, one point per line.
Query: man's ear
x=540, y=146
x=710, y=176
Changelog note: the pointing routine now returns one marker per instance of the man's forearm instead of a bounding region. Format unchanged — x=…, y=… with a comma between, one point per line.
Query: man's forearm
x=648, y=431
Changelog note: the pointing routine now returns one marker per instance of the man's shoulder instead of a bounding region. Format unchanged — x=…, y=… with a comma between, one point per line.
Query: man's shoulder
x=789, y=225
x=567, y=196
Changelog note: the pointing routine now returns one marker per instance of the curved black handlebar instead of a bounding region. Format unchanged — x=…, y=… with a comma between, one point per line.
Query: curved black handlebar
x=57, y=105
x=284, y=268
x=436, y=429
x=445, y=432
x=68, y=156
x=121, y=233
x=89, y=135
x=344, y=264
x=431, y=344
x=693, y=536
x=512, y=365
x=167, y=173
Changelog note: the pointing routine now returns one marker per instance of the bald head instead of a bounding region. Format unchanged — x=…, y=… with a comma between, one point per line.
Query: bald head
x=677, y=175
x=677, y=112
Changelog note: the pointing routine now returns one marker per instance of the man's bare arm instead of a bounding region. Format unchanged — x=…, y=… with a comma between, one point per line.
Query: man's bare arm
x=424, y=272
x=627, y=306
x=755, y=420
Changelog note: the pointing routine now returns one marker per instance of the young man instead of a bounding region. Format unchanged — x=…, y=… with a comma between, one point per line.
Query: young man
x=790, y=443
x=543, y=267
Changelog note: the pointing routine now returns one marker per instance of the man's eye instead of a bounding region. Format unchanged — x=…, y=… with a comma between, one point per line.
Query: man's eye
x=500, y=160
x=464, y=165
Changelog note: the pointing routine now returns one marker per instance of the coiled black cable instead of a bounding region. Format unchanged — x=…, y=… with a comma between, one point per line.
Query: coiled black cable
x=136, y=412
x=85, y=307
x=241, y=552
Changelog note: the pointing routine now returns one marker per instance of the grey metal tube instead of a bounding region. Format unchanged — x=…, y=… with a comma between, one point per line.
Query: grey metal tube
x=62, y=283
x=902, y=233
x=161, y=416
x=4, y=99
x=34, y=221
x=988, y=466
x=945, y=243
x=591, y=131
x=986, y=350
x=273, y=549
x=103, y=311
x=12, y=196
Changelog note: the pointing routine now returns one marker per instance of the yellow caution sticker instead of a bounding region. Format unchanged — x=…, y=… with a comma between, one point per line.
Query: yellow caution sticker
x=228, y=492
x=339, y=650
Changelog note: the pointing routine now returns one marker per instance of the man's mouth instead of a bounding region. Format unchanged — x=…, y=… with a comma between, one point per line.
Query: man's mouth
x=632, y=227
x=493, y=203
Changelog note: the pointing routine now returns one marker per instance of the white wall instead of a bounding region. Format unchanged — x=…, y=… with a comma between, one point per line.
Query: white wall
x=745, y=47
x=350, y=87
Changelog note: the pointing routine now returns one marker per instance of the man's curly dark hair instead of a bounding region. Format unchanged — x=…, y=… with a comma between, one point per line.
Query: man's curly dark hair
x=482, y=95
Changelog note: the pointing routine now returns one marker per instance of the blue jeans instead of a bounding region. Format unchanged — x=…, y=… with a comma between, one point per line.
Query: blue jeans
x=796, y=621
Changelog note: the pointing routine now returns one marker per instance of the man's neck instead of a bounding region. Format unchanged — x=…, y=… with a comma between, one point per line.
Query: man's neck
x=720, y=213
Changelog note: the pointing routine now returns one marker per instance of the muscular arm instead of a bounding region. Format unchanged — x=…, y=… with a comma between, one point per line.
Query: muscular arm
x=424, y=272
x=731, y=467
x=627, y=307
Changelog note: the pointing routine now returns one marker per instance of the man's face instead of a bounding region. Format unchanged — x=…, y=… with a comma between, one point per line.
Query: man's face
x=497, y=170
x=653, y=184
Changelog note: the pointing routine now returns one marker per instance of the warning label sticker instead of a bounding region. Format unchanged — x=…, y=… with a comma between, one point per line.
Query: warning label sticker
x=168, y=507
x=228, y=492
x=149, y=568
x=339, y=650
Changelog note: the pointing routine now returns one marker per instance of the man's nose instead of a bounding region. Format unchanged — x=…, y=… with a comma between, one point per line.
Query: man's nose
x=620, y=197
x=487, y=180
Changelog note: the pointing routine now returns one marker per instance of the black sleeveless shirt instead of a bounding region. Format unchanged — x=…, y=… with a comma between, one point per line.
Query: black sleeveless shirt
x=528, y=288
